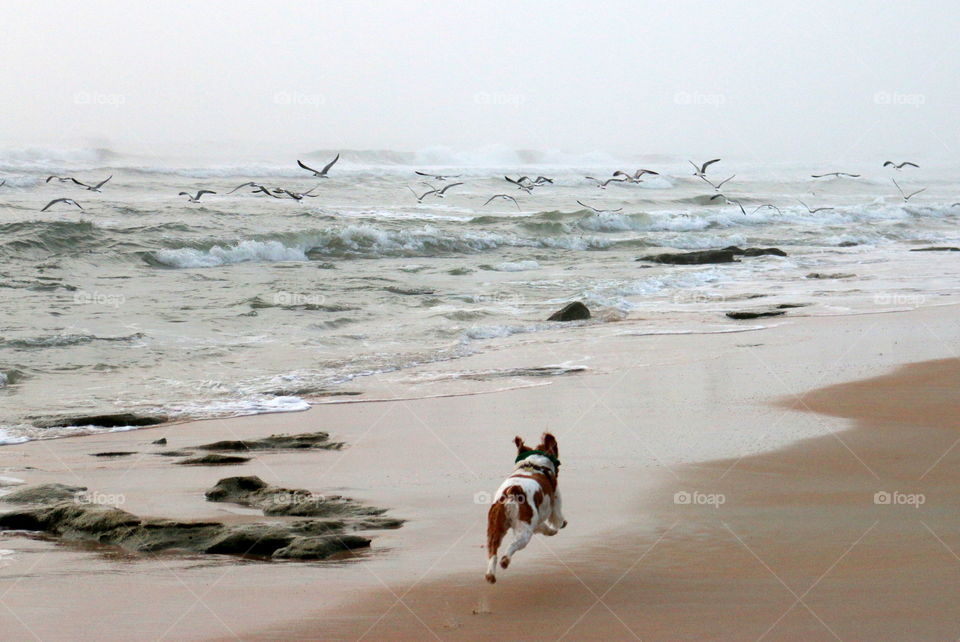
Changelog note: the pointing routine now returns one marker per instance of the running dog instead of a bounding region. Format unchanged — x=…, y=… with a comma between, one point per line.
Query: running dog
x=527, y=501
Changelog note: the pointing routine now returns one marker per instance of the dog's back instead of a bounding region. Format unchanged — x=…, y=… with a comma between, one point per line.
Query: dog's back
x=528, y=502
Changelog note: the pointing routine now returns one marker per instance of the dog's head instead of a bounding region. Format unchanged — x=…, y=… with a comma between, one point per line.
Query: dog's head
x=547, y=451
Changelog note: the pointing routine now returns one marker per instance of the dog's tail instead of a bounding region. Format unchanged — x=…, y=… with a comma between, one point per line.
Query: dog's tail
x=498, y=523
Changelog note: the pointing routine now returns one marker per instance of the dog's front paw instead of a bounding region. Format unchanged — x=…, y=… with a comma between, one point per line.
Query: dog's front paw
x=564, y=525
x=504, y=562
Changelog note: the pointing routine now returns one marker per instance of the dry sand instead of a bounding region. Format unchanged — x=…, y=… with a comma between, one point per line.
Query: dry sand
x=798, y=549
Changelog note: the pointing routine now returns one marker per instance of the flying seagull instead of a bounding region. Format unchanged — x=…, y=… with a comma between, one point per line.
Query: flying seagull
x=907, y=197
x=596, y=211
x=505, y=197
x=323, y=172
x=718, y=185
x=603, y=184
x=297, y=196
x=730, y=201
x=247, y=184
x=540, y=180
x=62, y=179
x=814, y=210
x=900, y=166
x=522, y=183
x=439, y=177
x=93, y=188
x=438, y=192
x=260, y=189
x=68, y=201
x=837, y=174
x=701, y=170
x=195, y=199
x=635, y=177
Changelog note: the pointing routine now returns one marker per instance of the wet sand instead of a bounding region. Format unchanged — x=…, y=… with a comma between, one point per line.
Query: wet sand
x=785, y=542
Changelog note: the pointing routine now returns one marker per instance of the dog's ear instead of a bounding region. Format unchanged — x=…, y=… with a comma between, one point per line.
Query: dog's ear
x=549, y=443
x=518, y=440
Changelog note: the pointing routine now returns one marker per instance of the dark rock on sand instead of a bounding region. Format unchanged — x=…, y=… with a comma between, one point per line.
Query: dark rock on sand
x=945, y=248
x=44, y=494
x=319, y=440
x=103, y=421
x=175, y=453
x=318, y=548
x=835, y=275
x=308, y=539
x=755, y=314
x=575, y=311
x=160, y=442
x=114, y=453
x=273, y=500
x=214, y=459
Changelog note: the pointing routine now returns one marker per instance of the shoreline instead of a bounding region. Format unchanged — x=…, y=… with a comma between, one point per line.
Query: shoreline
x=648, y=406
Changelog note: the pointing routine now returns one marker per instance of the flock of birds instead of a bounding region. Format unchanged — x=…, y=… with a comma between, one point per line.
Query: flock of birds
x=522, y=183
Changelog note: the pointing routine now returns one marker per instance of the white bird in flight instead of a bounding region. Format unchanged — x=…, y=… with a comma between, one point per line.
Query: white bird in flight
x=505, y=197
x=907, y=197
x=701, y=170
x=597, y=211
x=323, y=172
x=68, y=201
x=195, y=199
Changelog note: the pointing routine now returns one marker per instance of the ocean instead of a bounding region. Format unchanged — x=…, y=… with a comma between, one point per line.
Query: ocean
x=145, y=303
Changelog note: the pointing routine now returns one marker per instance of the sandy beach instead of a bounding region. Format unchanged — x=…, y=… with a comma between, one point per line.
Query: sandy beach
x=718, y=486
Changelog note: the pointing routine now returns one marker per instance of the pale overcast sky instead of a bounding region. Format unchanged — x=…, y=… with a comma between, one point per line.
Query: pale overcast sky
x=818, y=80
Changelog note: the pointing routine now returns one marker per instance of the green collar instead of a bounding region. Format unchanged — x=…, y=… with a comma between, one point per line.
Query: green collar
x=526, y=453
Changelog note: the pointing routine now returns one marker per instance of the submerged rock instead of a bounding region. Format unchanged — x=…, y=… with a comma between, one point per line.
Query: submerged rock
x=945, y=248
x=697, y=257
x=575, y=311
x=835, y=275
x=320, y=440
x=103, y=421
x=755, y=314
x=114, y=453
x=160, y=442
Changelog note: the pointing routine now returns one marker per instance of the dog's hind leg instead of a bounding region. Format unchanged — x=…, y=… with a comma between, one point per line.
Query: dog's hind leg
x=556, y=516
x=496, y=529
x=523, y=538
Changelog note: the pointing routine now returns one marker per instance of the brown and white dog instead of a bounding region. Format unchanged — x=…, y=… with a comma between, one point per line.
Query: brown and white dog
x=527, y=501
